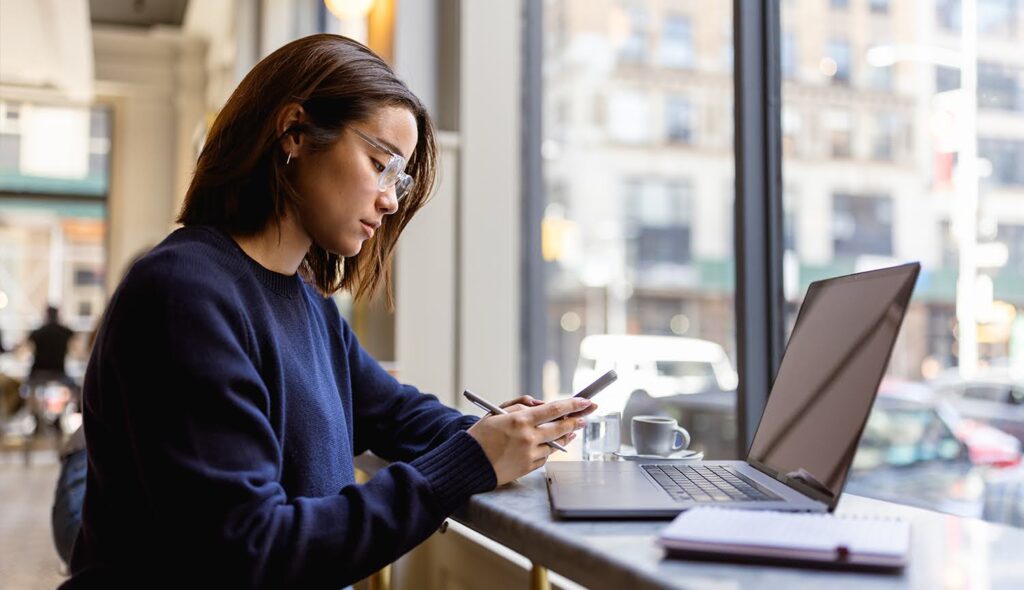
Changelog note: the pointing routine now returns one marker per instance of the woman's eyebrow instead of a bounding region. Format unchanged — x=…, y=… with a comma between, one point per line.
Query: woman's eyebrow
x=390, y=146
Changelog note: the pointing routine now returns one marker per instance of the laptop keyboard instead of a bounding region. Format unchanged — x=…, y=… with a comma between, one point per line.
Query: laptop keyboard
x=712, y=483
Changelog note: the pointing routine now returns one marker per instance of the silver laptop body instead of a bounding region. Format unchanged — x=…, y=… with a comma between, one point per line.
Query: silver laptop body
x=808, y=433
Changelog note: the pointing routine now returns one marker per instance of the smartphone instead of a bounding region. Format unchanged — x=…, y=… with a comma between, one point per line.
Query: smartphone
x=599, y=384
x=596, y=387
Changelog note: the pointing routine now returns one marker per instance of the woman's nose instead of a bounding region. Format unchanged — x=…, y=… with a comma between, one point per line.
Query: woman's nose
x=387, y=201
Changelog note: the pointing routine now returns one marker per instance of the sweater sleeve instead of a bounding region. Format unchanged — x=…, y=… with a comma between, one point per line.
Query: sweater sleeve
x=394, y=420
x=195, y=411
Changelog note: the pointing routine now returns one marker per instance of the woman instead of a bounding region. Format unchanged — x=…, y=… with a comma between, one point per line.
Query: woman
x=226, y=397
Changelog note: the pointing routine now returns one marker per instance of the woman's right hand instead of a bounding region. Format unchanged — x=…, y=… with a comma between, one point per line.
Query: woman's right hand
x=514, y=442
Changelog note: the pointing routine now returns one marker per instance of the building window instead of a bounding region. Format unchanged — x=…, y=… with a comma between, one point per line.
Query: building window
x=999, y=87
x=839, y=4
x=677, y=42
x=997, y=17
x=878, y=6
x=659, y=220
x=629, y=117
x=634, y=48
x=679, y=120
x=887, y=131
x=839, y=52
x=946, y=78
x=1013, y=237
x=861, y=225
x=1006, y=157
x=839, y=133
x=788, y=55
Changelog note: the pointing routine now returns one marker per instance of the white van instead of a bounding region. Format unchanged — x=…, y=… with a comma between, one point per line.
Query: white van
x=659, y=366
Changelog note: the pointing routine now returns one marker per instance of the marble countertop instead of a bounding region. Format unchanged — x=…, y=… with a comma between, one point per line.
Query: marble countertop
x=946, y=551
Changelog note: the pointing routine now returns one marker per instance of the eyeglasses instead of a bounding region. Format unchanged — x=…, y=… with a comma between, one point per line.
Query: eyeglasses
x=393, y=173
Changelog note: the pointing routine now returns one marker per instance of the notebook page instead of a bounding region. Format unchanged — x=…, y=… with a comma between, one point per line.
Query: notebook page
x=788, y=530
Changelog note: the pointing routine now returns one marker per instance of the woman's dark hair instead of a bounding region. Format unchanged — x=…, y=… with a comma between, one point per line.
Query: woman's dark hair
x=240, y=183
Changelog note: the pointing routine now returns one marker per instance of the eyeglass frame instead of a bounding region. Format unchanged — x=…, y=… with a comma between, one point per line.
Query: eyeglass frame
x=396, y=163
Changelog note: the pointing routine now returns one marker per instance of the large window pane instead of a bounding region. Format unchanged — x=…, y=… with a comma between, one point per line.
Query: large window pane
x=637, y=226
x=877, y=137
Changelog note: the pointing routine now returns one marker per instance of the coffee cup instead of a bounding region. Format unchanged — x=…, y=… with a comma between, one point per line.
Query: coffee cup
x=658, y=435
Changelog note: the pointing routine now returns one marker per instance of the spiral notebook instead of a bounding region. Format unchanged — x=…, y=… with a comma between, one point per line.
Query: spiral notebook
x=801, y=539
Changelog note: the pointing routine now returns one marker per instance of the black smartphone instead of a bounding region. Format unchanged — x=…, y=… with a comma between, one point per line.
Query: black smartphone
x=596, y=387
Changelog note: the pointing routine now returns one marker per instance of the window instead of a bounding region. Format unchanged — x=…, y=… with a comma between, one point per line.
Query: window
x=651, y=240
x=677, y=42
x=838, y=51
x=861, y=225
x=879, y=6
x=634, y=48
x=876, y=175
x=999, y=87
x=678, y=120
x=658, y=219
x=1006, y=157
x=887, y=131
x=838, y=126
x=1013, y=237
x=946, y=78
x=995, y=17
x=628, y=117
x=788, y=54
x=32, y=162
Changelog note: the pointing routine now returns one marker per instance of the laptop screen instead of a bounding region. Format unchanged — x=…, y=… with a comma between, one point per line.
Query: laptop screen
x=829, y=375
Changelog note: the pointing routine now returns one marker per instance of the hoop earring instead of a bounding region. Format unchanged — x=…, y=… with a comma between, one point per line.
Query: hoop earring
x=289, y=160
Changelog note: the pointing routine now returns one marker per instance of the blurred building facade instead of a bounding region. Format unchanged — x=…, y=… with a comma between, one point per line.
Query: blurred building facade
x=639, y=164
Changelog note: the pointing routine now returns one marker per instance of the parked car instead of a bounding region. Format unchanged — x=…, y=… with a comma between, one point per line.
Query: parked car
x=656, y=366
x=993, y=397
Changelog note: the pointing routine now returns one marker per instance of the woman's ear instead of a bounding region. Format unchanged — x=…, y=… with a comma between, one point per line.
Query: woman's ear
x=287, y=127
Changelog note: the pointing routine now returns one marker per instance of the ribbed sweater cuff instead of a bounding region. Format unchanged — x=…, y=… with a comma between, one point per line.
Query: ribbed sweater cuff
x=456, y=470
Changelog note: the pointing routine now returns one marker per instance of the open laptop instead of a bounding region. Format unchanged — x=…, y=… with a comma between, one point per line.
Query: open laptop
x=807, y=436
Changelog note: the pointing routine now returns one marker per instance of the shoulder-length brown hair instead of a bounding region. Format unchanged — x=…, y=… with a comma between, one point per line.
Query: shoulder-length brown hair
x=240, y=183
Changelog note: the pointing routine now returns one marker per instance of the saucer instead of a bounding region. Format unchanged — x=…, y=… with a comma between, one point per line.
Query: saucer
x=684, y=455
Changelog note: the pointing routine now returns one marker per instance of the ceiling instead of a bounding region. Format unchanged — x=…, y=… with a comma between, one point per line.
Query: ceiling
x=138, y=13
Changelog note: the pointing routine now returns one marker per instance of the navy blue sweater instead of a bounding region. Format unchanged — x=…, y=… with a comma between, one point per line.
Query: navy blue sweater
x=223, y=406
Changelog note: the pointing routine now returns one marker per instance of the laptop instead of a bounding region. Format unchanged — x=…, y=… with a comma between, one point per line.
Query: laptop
x=808, y=434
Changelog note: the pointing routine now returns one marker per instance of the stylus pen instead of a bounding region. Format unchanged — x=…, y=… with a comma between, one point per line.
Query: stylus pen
x=493, y=409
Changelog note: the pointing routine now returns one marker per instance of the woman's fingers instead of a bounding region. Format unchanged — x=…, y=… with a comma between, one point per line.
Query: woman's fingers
x=559, y=428
x=523, y=400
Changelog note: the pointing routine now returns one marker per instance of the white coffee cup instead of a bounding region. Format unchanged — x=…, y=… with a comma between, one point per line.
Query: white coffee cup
x=658, y=435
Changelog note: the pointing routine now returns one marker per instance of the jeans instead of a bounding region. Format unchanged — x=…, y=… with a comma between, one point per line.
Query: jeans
x=66, y=517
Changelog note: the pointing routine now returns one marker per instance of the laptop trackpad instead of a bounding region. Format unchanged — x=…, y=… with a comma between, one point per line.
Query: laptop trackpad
x=604, y=483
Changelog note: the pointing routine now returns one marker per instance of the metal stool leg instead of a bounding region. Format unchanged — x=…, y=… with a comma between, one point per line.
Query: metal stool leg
x=539, y=578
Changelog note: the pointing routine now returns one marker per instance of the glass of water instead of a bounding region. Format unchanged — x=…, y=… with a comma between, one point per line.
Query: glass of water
x=601, y=436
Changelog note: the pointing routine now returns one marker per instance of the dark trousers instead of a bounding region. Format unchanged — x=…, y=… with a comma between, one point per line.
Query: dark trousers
x=66, y=517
